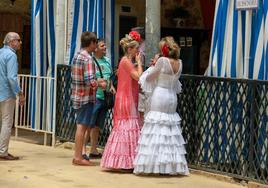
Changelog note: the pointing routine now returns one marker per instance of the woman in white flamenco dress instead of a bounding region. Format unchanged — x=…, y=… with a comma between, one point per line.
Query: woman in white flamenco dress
x=160, y=147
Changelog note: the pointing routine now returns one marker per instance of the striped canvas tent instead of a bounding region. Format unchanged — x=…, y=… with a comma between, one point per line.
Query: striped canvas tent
x=49, y=47
x=239, y=42
x=238, y=50
x=42, y=64
x=89, y=15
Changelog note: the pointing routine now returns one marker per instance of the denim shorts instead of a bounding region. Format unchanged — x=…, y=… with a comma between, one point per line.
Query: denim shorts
x=98, y=114
x=83, y=114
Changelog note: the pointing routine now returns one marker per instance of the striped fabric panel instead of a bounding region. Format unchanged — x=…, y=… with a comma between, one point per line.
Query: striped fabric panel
x=42, y=64
x=82, y=15
x=239, y=42
x=89, y=15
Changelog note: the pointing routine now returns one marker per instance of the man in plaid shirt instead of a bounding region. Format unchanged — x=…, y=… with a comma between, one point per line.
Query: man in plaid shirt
x=84, y=85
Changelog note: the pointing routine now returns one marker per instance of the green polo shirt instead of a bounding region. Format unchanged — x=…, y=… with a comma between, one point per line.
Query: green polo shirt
x=107, y=72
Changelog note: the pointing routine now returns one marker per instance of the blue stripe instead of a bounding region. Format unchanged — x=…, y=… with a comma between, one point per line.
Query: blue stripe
x=265, y=7
x=100, y=18
x=243, y=15
x=74, y=32
x=85, y=15
x=222, y=28
x=39, y=5
x=32, y=101
x=234, y=42
x=91, y=11
x=32, y=66
x=52, y=35
x=41, y=19
x=265, y=64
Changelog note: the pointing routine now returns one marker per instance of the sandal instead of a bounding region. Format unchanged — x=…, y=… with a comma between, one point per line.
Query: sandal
x=85, y=157
x=82, y=162
x=95, y=156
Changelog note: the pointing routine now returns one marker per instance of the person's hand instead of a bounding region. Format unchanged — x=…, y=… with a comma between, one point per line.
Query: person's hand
x=21, y=99
x=112, y=89
x=138, y=58
x=94, y=85
x=154, y=60
x=102, y=83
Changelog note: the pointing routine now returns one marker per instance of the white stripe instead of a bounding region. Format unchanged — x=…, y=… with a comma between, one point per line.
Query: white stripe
x=88, y=14
x=94, y=16
x=70, y=15
x=239, y=48
x=228, y=42
x=265, y=44
x=80, y=27
x=37, y=52
x=108, y=27
x=247, y=42
x=49, y=53
x=259, y=53
x=212, y=62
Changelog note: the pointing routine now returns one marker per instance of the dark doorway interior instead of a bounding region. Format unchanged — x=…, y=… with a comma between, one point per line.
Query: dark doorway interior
x=125, y=25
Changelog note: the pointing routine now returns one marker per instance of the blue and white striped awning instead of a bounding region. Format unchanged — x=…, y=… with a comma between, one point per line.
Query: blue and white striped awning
x=239, y=42
x=238, y=50
x=81, y=15
x=90, y=15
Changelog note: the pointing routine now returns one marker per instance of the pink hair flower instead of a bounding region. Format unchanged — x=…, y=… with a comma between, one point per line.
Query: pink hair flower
x=135, y=36
x=165, y=50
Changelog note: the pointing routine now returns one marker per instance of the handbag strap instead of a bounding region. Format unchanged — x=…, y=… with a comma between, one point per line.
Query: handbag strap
x=98, y=66
x=104, y=91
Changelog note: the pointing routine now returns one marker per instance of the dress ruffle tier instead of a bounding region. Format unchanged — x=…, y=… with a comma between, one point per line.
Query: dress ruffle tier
x=120, y=148
x=161, y=146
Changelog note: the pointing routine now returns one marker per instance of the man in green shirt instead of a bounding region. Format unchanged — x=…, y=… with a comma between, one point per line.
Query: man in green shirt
x=99, y=111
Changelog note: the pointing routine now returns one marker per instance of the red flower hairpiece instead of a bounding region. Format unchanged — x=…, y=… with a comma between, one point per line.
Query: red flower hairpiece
x=135, y=36
x=165, y=50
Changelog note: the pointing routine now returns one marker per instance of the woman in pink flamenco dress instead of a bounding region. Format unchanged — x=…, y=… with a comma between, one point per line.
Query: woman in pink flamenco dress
x=119, y=152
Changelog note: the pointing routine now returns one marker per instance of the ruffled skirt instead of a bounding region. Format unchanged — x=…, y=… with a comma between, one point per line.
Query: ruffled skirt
x=161, y=146
x=120, y=149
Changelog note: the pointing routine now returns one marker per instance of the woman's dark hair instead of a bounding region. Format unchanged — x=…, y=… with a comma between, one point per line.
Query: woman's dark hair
x=87, y=37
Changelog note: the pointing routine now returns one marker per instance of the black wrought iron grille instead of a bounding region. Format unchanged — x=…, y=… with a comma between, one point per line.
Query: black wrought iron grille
x=65, y=118
x=224, y=123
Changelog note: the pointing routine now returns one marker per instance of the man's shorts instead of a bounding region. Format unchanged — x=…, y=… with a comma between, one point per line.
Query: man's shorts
x=83, y=114
x=98, y=115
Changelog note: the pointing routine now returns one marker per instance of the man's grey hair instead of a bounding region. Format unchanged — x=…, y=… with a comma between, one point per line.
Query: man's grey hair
x=9, y=37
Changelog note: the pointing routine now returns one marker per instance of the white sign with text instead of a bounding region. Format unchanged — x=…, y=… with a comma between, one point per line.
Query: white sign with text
x=246, y=4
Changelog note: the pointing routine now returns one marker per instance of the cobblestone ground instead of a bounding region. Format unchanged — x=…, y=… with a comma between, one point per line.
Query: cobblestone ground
x=47, y=167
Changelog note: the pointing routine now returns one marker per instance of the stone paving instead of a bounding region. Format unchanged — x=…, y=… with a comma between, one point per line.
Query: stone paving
x=48, y=167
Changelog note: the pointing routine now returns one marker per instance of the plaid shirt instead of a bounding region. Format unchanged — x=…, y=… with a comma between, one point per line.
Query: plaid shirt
x=83, y=78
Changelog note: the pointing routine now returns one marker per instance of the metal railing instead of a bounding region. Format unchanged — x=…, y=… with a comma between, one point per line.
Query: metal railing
x=224, y=123
x=37, y=113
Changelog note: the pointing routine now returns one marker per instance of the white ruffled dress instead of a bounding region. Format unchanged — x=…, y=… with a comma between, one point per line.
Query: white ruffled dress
x=161, y=145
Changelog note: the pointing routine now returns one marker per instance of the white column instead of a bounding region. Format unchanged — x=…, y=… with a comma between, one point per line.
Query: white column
x=152, y=29
x=60, y=50
x=60, y=30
